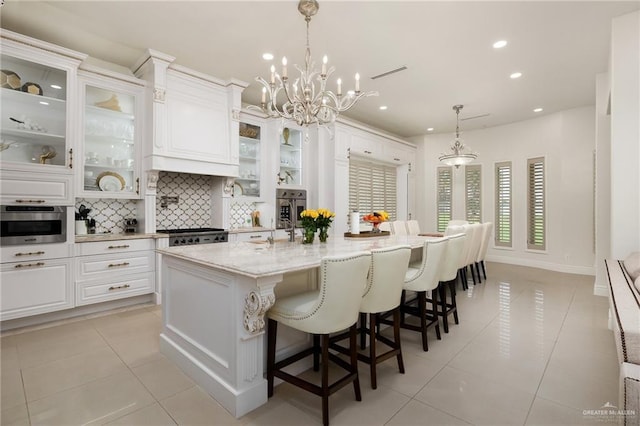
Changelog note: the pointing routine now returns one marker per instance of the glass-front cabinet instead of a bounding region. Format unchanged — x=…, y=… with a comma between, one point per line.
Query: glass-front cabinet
x=291, y=157
x=34, y=115
x=248, y=183
x=110, y=142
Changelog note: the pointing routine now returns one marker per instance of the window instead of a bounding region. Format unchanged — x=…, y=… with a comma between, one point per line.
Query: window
x=472, y=185
x=535, y=204
x=372, y=187
x=503, y=204
x=445, y=191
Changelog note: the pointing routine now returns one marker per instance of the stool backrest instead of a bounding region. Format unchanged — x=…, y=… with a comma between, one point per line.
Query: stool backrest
x=413, y=227
x=399, y=228
x=386, y=226
x=476, y=242
x=486, y=237
x=386, y=278
x=453, y=257
x=428, y=276
x=342, y=282
x=454, y=229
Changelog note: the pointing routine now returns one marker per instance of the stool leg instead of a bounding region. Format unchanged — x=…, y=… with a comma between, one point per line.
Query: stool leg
x=325, y=379
x=402, y=300
x=422, y=310
x=316, y=352
x=353, y=348
x=452, y=289
x=396, y=338
x=363, y=330
x=434, y=306
x=478, y=273
x=372, y=350
x=271, y=354
x=443, y=305
x=484, y=271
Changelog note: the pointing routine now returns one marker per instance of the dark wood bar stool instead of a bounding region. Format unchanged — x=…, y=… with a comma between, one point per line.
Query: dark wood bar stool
x=384, y=288
x=332, y=308
x=422, y=279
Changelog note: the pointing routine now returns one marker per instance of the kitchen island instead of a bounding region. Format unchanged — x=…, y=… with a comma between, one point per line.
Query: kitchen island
x=214, y=300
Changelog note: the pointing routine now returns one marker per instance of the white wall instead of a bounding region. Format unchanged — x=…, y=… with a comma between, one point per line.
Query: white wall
x=567, y=141
x=625, y=135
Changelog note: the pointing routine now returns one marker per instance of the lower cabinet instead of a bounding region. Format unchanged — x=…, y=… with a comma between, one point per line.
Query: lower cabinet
x=126, y=269
x=252, y=236
x=36, y=287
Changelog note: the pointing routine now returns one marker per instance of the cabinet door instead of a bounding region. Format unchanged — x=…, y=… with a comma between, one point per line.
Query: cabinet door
x=249, y=181
x=110, y=148
x=20, y=187
x=35, y=287
x=34, y=116
x=291, y=157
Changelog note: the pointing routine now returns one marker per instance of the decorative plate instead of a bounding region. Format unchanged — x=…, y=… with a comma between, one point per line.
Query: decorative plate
x=110, y=181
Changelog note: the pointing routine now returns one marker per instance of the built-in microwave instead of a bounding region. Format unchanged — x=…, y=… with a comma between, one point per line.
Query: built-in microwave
x=32, y=225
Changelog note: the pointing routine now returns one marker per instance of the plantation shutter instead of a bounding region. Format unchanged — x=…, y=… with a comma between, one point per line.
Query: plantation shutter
x=444, y=202
x=472, y=185
x=535, y=206
x=503, y=204
x=372, y=187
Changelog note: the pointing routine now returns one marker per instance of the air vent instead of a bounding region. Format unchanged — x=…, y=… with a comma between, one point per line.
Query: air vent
x=476, y=116
x=384, y=74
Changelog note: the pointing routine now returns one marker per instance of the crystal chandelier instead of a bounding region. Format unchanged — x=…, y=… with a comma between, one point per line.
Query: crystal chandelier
x=458, y=155
x=307, y=100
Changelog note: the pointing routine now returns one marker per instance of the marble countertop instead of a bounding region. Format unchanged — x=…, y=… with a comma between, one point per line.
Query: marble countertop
x=262, y=260
x=113, y=237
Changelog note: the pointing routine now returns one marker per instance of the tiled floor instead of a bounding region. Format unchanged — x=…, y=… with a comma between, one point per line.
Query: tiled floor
x=532, y=347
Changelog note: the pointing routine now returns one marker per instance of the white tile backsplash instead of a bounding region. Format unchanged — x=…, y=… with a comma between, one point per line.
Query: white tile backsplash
x=109, y=213
x=193, y=209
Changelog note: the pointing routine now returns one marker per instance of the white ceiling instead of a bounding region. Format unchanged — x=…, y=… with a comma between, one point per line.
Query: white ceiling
x=446, y=46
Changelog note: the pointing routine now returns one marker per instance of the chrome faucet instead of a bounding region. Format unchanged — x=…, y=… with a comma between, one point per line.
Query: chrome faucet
x=292, y=230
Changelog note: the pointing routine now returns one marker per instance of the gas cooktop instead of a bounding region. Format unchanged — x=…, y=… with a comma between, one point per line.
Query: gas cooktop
x=191, y=236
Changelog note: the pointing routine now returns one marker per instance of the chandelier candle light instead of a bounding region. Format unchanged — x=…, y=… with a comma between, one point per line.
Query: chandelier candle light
x=458, y=156
x=303, y=101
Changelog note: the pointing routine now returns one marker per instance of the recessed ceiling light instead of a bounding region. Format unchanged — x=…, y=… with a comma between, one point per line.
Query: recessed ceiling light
x=383, y=107
x=499, y=44
x=55, y=86
x=430, y=129
x=516, y=75
x=267, y=56
x=537, y=110
x=44, y=103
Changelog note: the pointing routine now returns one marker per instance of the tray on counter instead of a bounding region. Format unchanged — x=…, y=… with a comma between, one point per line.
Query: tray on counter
x=367, y=234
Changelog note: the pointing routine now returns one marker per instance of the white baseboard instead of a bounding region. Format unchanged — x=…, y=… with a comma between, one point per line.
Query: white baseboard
x=557, y=267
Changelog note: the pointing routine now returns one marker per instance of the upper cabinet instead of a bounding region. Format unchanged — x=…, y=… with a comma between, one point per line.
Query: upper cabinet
x=110, y=148
x=38, y=82
x=250, y=182
x=291, y=159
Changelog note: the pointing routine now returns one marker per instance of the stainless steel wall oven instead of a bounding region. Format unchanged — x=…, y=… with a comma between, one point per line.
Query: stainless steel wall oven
x=32, y=225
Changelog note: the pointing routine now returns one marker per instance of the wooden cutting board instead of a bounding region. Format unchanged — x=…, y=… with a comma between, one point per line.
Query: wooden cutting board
x=367, y=234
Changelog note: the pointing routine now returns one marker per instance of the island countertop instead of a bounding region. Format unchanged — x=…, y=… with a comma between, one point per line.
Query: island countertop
x=258, y=260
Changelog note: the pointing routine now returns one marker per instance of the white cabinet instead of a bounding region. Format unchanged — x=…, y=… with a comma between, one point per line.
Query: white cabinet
x=291, y=157
x=35, y=285
x=109, y=270
x=109, y=155
x=252, y=236
x=253, y=159
x=37, y=94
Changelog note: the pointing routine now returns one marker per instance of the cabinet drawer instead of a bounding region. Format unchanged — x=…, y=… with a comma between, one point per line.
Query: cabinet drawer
x=88, y=292
x=107, y=266
x=253, y=236
x=117, y=246
x=34, y=188
x=35, y=287
x=35, y=252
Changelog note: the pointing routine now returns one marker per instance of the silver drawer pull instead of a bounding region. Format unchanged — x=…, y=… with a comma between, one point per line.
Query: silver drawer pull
x=31, y=201
x=29, y=265
x=119, y=287
x=119, y=247
x=116, y=265
x=31, y=253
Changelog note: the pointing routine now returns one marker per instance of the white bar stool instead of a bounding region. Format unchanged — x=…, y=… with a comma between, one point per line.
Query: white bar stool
x=330, y=309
